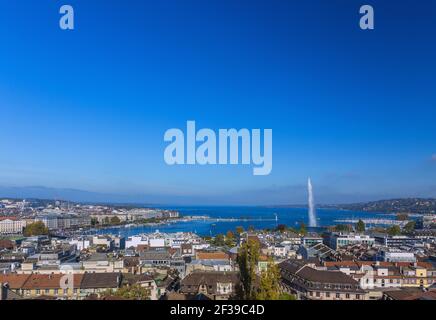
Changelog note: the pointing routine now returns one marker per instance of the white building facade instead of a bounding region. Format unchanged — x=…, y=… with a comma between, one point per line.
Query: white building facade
x=11, y=225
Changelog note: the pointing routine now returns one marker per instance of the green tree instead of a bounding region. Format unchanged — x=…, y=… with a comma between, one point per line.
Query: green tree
x=115, y=220
x=360, y=226
x=239, y=230
x=394, y=230
x=293, y=230
x=37, y=228
x=379, y=230
x=409, y=227
x=402, y=217
x=106, y=220
x=230, y=238
x=219, y=240
x=134, y=292
x=94, y=222
x=287, y=296
x=343, y=228
x=269, y=283
x=303, y=229
x=281, y=227
x=248, y=258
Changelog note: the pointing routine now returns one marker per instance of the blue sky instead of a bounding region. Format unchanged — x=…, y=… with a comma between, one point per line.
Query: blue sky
x=87, y=109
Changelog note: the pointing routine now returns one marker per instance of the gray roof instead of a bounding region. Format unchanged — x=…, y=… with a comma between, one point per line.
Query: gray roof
x=8, y=294
x=132, y=279
x=97, y=257
x=314, y=275
x=209, y=262
x=155, y=255
x=293, y=271
x=100, y=280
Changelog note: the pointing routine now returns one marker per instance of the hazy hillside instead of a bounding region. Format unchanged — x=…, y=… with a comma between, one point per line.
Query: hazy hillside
x=408, y=205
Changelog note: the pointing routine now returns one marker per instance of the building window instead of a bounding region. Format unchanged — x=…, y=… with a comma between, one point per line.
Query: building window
x=47, y=291
x=347, y=296
x=318, y=294
x=38, y=291
x=338, y=295
x=327, y=294
x=357, y=296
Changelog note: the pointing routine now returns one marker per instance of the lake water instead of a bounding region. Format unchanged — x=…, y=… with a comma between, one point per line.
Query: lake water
x=258, y=217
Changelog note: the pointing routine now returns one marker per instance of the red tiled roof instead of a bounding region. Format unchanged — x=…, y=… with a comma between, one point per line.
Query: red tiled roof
x=212, y=256
x=420, y=264
x=15, y=281
x=50, y=281
x=411, y=294
x=7, y=244
x=9, y=218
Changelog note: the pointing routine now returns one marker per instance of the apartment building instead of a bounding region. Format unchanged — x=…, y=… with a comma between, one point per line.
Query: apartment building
x=61, y=286
x=63, y=221
x=312, y=284
x=336, y=240
x=11, y=225
x=214, y=285
x=381, y=275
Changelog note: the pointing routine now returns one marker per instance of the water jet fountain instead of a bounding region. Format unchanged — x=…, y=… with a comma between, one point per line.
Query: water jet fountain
x=312, y=213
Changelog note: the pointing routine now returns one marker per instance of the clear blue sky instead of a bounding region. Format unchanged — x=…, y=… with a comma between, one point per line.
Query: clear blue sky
x=87, y=109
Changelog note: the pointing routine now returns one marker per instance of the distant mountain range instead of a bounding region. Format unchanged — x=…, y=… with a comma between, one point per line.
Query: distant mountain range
x=406, y=205
x=90, y=197
x=403, y=205
x=74, y=195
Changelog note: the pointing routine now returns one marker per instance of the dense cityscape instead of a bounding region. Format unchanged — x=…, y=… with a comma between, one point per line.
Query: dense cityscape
x=48, y=252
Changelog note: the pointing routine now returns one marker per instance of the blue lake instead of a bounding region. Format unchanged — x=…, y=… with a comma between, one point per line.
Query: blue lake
x=258, y=217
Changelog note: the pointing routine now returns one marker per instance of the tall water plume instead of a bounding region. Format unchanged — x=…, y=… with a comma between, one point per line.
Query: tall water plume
x=312, y=213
